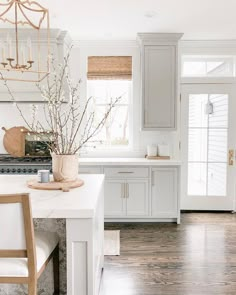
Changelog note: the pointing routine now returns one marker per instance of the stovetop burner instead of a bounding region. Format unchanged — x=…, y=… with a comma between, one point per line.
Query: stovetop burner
x=4, y=159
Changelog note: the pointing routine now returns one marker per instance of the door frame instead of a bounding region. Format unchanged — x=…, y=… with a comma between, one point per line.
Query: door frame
x=217, y=203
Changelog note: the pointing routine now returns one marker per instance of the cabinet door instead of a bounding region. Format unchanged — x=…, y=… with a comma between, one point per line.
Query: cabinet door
x=136, y=194
x=164, y=193
x=114, y=203
x=159, y=87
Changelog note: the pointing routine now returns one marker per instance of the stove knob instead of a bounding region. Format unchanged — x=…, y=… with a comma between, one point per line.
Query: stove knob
x=30, y=170
x=8, y=170
x=35, y=170
x=18, y=170
x=13, y=170
x=24, y=170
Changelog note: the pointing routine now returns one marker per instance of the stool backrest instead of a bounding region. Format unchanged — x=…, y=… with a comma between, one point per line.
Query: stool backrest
x=16, y=228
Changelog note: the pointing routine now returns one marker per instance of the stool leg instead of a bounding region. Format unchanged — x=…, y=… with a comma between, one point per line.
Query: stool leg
x=32, y=288
x=56, y=271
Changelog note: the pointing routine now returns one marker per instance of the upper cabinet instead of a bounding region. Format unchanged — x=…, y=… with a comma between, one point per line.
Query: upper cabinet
x=159, y=64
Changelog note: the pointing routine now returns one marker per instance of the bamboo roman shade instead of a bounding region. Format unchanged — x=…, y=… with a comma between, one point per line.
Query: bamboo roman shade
x=109, y=68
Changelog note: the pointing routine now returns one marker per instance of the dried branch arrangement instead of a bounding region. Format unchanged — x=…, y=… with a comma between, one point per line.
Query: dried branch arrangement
x=68, y=122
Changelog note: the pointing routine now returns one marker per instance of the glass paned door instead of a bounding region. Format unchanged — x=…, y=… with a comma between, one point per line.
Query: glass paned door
x=207, y=136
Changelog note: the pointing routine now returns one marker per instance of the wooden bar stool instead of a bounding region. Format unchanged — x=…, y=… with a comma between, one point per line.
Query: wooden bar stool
x=24, y=254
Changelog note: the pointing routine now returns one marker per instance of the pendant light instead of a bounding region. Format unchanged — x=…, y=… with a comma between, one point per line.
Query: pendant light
x=25, y=41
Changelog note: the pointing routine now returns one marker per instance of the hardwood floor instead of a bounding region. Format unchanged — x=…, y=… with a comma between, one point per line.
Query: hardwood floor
x=197, y=257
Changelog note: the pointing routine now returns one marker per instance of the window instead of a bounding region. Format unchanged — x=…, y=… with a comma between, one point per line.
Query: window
x=207, y=66
x=109, y=78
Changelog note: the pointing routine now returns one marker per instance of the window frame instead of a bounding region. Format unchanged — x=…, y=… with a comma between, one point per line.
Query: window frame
x=207, y=58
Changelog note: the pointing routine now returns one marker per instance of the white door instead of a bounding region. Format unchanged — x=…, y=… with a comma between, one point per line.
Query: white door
x=208, y=113
x=137, y=197
x=114, y=203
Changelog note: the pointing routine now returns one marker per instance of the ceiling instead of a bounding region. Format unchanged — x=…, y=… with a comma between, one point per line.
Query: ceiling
x=122, y=19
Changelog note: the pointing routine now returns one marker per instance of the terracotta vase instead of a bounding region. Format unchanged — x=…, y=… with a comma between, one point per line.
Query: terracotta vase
x=65, y=167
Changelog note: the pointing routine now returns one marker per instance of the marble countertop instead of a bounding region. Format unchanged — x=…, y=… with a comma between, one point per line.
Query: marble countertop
x=77, y=203
x=127, y=161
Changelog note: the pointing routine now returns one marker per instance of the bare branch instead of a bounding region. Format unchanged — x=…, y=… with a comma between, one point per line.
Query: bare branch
x=64, y=121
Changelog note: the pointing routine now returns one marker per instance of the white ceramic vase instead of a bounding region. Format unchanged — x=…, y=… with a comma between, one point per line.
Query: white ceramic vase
x=65, y=167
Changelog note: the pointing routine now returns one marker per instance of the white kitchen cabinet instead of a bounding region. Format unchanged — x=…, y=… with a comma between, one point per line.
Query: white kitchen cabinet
x=126, y=198
x=135, y=193
x=164, y=195
x=159, y=63
x=126, y=192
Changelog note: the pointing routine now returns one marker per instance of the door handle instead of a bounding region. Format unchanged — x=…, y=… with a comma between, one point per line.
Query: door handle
x=127, y=190
x=231, y=157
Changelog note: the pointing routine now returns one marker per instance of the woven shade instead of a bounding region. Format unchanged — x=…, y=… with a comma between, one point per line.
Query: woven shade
x=109, y=68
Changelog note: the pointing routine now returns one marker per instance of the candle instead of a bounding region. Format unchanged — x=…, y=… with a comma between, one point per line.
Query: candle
x=3, y=53
x=29, y=45
x=22, y=55
x=1, y=47
x=9, y=46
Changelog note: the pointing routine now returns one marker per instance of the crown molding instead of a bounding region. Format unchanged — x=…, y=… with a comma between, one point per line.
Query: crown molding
x=104, y=43
x=146, y=38
x=207, y=43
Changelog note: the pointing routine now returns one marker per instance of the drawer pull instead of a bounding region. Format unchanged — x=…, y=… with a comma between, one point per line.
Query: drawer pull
x=125, y=172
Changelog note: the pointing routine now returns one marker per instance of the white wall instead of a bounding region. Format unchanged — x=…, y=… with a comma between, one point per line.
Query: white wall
x=10, y=117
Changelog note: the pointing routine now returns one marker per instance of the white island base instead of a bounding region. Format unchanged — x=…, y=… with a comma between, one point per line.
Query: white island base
x=83, y=210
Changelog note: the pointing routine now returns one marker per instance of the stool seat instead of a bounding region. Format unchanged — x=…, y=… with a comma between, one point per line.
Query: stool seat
x=45, y=243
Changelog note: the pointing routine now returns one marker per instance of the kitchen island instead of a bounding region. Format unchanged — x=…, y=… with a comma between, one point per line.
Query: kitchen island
x=82, y=208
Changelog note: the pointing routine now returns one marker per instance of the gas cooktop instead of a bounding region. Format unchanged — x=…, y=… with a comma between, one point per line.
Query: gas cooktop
x=8, y=159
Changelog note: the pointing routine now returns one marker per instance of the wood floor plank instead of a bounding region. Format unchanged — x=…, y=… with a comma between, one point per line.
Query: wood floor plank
x=197, y=257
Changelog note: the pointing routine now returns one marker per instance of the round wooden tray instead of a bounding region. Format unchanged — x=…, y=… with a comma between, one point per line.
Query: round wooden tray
x=52, y=185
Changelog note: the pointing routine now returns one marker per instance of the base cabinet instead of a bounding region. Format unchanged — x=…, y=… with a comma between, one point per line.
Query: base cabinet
x=126, y=198
x=140, y=194
x=164, y=194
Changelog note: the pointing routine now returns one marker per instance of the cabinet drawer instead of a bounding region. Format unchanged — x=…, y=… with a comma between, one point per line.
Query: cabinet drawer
x=126, y=172
x=90, y=170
